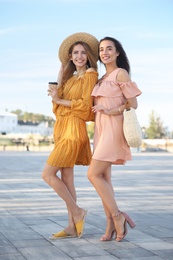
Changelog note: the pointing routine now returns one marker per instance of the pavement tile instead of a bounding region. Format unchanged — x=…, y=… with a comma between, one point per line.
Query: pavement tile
x=104, y=257
x=35, y=221
x=130, y=252
x=17, y=256
x=144, y=258
x=30, y=211
x=155, y=246
x=24, y=243
x=165, y=254
x=17, y=234
x=168, y=239
x=10, y=222
x=7, y=249
x=80, y=247
x=43, y=253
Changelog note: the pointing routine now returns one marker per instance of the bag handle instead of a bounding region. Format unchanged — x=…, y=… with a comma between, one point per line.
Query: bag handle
x=127, y=106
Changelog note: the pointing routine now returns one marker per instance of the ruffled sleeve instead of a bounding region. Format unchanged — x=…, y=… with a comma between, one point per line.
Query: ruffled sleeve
x=82, y=107
x=129, y=89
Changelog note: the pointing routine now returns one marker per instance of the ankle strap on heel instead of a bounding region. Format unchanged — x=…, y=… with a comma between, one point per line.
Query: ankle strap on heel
x=117, y=214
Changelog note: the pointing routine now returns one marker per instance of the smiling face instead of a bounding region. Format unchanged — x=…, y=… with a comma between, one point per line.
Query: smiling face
x=107, y=52
x=79, y=56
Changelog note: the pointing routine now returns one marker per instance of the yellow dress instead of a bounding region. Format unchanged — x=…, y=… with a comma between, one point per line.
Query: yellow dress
x=71, y=142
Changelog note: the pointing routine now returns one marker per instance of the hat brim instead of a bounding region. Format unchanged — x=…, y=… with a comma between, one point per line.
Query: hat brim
x=76, y=37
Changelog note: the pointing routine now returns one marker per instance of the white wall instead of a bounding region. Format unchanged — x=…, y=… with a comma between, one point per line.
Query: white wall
x=8, y=122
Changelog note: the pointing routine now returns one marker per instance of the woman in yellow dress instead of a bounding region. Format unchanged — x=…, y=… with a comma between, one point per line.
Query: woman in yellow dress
x=72, y=103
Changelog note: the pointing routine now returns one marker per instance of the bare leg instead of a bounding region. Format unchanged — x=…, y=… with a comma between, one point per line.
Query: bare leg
x=67, y=176
x=110, y=224
x=95, y=175
x=49, y=175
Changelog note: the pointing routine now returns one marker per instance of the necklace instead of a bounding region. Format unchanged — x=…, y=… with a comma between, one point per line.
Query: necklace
x=80, y=73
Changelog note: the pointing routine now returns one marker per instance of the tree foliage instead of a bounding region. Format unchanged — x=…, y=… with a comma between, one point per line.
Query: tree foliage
x=156, y=129
x=31, y=117
x=90, y=129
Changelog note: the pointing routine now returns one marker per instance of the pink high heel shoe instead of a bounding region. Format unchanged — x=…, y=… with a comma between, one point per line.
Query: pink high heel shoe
x=127, y=220
x=105, y=238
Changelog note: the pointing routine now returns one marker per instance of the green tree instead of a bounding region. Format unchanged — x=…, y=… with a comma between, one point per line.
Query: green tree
x=19, y=113
x=156, y=129
x=35, y=118
x=90, y=129
x=26, y=117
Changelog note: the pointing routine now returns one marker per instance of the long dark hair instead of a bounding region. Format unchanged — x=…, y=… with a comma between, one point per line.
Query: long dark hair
x=122, y=60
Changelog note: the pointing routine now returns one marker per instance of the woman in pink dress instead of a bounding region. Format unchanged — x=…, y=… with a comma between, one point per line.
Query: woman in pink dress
x=113, y=92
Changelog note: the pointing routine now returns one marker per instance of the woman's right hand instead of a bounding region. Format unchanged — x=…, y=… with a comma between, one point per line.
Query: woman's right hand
x=100, y=108
x=52, y=90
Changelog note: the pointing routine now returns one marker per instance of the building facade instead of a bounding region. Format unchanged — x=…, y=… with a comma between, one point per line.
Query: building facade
x=9, y=123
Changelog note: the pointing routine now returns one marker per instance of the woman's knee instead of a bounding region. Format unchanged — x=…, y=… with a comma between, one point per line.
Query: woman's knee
x=96, y=170
x=91, y=176
x=48, y=173
x=45, y=175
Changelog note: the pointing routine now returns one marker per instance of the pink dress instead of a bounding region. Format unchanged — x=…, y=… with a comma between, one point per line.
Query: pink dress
x=109, y=141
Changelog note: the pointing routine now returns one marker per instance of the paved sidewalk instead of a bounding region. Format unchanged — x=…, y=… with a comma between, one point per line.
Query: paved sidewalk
x=30, y=211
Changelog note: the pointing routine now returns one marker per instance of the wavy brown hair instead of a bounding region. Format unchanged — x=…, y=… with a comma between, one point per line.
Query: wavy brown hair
x=70, y=68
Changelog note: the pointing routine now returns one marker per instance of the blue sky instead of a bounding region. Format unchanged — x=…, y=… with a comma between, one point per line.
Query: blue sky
x=32, y=31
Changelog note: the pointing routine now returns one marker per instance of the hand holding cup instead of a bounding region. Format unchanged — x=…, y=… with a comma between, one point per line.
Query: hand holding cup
x=52, y=88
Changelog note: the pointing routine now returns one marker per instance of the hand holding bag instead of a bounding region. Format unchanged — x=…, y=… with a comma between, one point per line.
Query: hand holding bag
x=131, y=128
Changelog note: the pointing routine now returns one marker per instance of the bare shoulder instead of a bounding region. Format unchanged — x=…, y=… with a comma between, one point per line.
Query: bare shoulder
x=123, y=75
x=91, y=70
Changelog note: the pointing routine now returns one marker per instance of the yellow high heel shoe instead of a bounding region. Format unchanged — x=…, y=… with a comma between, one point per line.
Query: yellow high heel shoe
x=80, y=225
x=60, y=235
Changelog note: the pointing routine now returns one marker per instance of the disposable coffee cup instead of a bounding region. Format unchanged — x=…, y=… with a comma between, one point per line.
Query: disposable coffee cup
x=53, y=83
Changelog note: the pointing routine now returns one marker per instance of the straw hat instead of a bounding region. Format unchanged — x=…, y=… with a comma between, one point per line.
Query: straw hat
x=76, y=37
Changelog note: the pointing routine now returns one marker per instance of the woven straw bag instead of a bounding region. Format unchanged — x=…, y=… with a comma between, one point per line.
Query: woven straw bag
x=131, y=128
